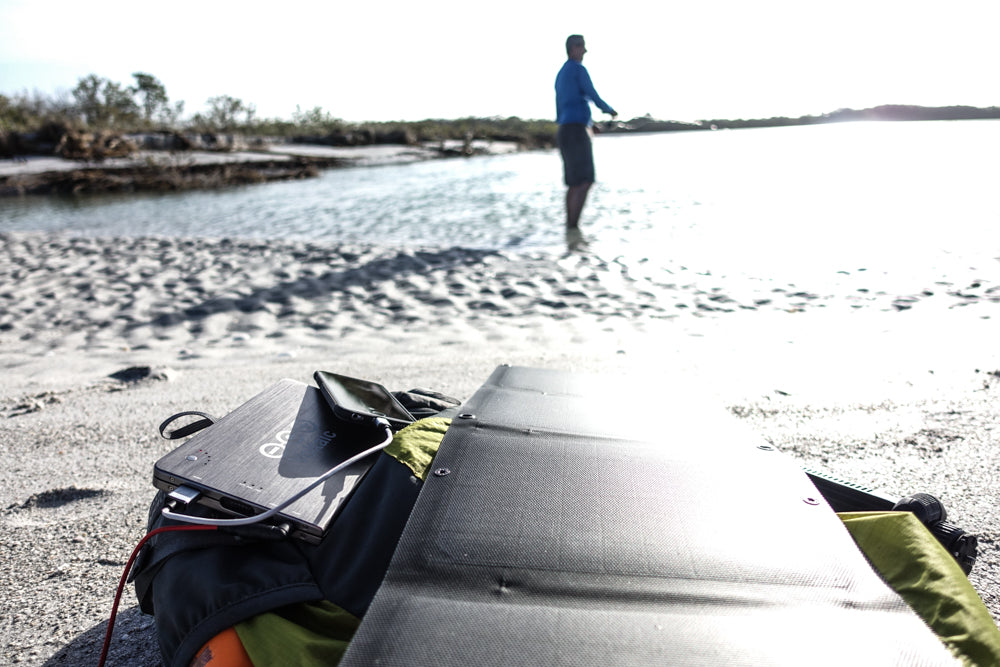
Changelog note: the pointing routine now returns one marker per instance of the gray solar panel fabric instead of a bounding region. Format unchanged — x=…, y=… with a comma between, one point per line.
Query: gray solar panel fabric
x=558, y=530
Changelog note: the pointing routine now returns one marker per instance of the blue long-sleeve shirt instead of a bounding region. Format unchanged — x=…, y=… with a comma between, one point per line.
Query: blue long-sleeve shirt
x=574, y=92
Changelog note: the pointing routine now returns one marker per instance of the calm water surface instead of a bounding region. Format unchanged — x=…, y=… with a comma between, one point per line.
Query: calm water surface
x=890, y=197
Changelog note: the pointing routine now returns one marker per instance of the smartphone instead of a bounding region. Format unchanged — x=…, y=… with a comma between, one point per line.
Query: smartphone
x=361, y=401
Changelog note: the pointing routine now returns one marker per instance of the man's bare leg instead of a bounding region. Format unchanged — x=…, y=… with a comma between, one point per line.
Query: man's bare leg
x=576, y=197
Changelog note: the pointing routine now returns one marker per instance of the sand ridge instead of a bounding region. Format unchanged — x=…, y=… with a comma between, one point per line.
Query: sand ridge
x=196, y=294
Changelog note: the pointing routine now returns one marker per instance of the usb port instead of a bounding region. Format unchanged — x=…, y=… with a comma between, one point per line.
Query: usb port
x=185, y=495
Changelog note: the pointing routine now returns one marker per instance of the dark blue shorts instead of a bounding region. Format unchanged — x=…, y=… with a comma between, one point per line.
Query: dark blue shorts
x=577, y=153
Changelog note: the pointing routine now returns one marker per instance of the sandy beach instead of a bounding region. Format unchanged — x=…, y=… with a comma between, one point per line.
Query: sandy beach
x=892, y=390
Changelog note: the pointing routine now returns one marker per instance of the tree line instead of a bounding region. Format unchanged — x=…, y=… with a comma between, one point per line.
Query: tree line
x=98, y=104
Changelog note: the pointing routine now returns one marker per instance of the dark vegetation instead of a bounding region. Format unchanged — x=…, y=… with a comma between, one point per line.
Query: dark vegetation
x=102, y=118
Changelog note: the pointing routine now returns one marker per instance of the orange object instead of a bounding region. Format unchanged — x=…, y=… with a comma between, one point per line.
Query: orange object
x=223, y=650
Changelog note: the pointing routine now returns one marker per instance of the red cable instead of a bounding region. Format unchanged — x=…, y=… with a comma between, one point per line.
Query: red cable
x=124, y=579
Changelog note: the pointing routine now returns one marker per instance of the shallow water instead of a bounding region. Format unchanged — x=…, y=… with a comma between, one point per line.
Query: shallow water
x=821, y=202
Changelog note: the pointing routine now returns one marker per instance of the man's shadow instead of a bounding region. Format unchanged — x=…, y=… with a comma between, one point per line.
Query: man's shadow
x=399, y=267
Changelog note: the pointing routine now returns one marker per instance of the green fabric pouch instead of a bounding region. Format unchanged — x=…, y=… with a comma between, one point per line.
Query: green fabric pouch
x=311, y=634
x=916, y=566
x=416, y=445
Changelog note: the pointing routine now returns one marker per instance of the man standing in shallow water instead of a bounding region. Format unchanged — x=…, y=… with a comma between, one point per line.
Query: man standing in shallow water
x=574, y=92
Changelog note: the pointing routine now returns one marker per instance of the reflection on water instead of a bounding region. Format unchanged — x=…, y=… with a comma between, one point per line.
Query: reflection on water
x=821, y=199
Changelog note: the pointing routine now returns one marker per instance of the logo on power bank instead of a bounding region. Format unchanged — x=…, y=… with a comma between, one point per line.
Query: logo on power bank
x=274, y=450
x=304, y=430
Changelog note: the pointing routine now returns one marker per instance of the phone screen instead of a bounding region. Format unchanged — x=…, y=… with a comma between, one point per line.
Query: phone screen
x=362, y=397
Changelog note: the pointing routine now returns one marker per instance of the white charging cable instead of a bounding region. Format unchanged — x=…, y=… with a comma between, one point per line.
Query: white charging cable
x=205, y=521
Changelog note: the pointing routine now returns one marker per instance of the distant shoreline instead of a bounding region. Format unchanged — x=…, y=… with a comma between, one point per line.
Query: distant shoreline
x=886, y=112
x=169, y=161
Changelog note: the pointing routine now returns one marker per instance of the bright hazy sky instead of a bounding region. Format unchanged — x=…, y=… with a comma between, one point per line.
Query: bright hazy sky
x=379, y=60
